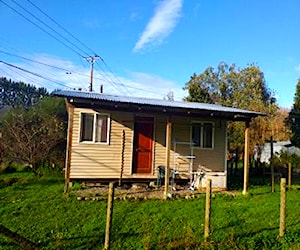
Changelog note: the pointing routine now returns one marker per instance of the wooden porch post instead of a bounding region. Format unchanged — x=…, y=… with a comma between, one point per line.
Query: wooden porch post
x=246, y=158
x=168, y=148
x=70, y=109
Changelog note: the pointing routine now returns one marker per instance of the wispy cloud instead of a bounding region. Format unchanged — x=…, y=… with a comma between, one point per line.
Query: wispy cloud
x=155, y=86
x=160, y=25
x=297, y=67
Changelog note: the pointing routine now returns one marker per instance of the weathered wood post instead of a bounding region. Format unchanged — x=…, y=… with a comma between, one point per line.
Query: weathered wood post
x=289, y=175
x=282, y=207
x=207, y=210
x=168, y=149
x=246, y=158
x=110, y=202
x=272, y=167
x=70, y=109
x=122, y=157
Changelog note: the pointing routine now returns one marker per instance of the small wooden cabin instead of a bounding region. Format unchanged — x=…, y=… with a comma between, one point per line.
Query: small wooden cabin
x=112, y=137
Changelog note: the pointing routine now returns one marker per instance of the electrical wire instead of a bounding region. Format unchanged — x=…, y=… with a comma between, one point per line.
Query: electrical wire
x=41, y=28
x=30, y=79
x=116, y=77
x=60, y=26
x=72, y=37
x=33, y=73
x=68, y=71
x=105, y=77
x=49, y=27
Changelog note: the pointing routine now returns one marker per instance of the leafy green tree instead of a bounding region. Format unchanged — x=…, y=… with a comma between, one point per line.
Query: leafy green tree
x=31, y=135
x=241, y=88
x=16, y=94
x=293, y=119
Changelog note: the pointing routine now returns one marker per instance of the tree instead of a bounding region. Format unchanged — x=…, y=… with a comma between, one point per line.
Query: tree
x=293, y=119
x=16, y=94
x=241, y=88
x=30, y=135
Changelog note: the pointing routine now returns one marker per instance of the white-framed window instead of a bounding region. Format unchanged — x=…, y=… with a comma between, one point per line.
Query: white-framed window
x=94, y=127
x=203, y=134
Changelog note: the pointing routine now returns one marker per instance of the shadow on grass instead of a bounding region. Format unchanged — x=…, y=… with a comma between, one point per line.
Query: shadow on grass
x=76, y=242
x=49, y=181
x=236, y=182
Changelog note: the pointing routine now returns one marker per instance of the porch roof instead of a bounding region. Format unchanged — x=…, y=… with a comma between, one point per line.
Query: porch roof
x=138, y=104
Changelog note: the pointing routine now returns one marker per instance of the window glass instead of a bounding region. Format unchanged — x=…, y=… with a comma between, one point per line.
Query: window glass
x=101, y=128
x=94, y=127
x=207, y=135
x=87, y=124
x=202, y=134
x=196, y=134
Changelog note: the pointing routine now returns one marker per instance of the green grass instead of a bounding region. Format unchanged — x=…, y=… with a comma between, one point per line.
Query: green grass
x=37, y=209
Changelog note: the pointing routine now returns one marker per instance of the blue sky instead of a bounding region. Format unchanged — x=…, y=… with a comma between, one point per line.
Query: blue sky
x=151, y=47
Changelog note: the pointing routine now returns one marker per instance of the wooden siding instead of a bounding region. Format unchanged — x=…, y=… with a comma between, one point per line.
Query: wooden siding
x=212, y=159
x=92, y=160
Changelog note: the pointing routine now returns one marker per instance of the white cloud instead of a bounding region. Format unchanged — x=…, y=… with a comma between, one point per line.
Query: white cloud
x=155, y=86
x=297, y=68
x=160, y=25
x=57, y=76
x=67, y=75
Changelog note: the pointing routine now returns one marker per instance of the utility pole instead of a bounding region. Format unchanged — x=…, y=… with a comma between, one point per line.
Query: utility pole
x=92, y=60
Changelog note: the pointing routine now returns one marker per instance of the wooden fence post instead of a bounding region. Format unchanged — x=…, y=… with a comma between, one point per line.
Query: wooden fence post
x=207, y=210
x=282, y=207
x=289, y=175
x=168, y=153
x=272, y=167
x=122, y=158
x=110, y=202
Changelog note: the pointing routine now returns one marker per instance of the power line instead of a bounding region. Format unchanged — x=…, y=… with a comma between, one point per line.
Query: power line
x=58, y=68
x=49, y=27
x=106, y=76
x=115, y=75
x=27, y=59
x=109, y=80
x=60, y=26
x=90, y=59
x=41, y=28
x=33, y=73
x=30, y=79
x=68, y=71
x=57, y=33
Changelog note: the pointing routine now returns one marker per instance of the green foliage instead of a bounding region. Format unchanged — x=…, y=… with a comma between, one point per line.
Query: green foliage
x=283, y=159
x=36, y=209
x=76, y=186
x=293, y=119
x=235, y=87
x=19, y=94
x=33, y=135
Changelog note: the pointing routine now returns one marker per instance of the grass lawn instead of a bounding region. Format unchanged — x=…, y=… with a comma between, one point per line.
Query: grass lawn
x=37, y=209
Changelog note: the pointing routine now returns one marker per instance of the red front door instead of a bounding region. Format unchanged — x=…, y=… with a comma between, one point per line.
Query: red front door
x=142, y=145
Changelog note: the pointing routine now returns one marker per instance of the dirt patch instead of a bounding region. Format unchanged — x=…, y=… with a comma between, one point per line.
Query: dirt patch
x=141, y=192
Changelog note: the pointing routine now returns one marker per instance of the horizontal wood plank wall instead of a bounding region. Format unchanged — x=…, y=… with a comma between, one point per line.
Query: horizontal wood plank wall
x=92, y=160
x=181, y=131
x=212, y=159
x=160, y=142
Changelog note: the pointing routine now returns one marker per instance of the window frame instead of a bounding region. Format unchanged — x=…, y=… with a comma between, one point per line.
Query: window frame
x=93, y=141
x=201, y=123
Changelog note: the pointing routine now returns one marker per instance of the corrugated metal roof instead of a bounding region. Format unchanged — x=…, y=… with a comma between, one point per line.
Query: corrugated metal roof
x=152, y=102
